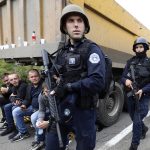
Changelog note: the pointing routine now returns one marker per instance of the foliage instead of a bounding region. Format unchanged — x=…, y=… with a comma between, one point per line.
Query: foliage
x=12, y=67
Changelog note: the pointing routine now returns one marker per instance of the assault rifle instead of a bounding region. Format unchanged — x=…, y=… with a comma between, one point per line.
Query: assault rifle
x=134, y=88
x=51, y=98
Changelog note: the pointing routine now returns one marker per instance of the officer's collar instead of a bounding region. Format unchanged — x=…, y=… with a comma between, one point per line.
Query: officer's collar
x=75, y=45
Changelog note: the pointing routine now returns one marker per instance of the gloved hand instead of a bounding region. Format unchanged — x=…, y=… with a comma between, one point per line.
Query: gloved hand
x=61, y=89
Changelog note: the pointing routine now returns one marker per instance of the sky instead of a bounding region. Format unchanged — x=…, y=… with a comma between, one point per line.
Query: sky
x=139, y=9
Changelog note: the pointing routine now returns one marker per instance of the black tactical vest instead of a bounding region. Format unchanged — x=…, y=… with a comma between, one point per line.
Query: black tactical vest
x=74, y=64
x=75, y=60
x=142, y=70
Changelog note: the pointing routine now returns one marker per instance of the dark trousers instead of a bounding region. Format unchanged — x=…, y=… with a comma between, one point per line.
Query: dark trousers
x=3, y=102
x=52, y=142
x=85, y=131
x=8, y=108
x=137, y=117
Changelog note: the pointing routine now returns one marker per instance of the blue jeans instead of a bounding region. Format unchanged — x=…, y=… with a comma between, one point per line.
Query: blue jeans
x=18, y=115
x=34, y=118
x=8, y=108
x=137, y=117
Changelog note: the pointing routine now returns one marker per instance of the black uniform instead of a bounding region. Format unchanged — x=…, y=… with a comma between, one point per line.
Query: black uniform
x=142, y=76
x=83, y=67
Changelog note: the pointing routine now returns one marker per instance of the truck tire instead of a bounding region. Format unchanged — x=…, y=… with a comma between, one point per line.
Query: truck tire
x=109, y=108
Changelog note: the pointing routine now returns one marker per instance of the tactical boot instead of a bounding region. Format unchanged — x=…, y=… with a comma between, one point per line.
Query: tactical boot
x=144, y=131
x=133, y=147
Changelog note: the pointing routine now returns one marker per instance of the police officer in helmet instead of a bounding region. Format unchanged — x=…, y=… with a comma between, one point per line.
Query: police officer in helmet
x=83, y=76
x=141, y=65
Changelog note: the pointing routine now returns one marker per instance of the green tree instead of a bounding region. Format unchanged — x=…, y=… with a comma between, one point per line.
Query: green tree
x=12, y=67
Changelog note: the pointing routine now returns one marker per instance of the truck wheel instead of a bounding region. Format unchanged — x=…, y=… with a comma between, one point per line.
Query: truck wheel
x=109, y=108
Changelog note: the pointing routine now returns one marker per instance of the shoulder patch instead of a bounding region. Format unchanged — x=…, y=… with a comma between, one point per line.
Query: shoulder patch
x=94, y=58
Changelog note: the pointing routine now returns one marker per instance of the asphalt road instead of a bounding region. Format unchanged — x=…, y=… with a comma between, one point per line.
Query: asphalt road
x=116, y=137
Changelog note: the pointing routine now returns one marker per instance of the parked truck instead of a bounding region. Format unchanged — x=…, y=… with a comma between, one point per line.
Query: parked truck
x=112, y=27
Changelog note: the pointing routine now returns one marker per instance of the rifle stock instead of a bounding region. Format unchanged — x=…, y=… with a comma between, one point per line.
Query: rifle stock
x=52, y=100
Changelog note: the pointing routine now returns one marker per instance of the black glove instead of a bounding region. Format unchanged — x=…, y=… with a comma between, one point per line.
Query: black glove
x=61, y=89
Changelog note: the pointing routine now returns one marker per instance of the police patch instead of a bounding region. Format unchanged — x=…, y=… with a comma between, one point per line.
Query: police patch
x=72, y=61
x=94, y=58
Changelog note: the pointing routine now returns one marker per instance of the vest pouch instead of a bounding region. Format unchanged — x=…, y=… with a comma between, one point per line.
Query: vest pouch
x=73, y=62
x=142, y=71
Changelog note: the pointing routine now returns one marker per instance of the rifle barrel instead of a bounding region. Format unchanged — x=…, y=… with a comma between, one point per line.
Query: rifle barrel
x=51, y=99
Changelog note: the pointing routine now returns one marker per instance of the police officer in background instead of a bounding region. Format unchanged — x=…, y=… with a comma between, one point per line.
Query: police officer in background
x=83, y=72
x=141, y=65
